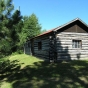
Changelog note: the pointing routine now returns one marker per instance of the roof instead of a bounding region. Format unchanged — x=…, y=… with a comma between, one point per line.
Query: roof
x=74, y=20
x=57, y=28
x=49, y=31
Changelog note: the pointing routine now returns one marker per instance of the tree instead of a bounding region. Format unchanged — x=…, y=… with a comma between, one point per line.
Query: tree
x=6, y=8
x=31, y=28
x=42, y=31
x=14, y=30
x=17, y=24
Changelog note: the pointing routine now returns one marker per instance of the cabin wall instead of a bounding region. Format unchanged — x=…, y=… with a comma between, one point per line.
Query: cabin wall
x=64, y=46
x=27, y=48
x=44, y=51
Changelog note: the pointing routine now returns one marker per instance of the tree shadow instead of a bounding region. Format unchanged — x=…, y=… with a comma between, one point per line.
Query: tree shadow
x=62, y=50
x=8, y=68
x=72, y=74
x=78, y=56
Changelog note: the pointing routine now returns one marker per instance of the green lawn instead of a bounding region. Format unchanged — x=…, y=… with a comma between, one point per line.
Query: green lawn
x=23, y=71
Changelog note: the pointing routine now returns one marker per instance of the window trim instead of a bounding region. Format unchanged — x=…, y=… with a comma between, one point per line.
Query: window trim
x=39, y=45
x=76, y=44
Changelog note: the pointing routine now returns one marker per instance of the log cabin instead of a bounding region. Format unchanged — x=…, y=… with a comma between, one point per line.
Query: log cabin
x=66, y=42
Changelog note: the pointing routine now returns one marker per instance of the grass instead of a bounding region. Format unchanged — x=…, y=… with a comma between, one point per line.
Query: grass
x=23, y=71
x=25, y=59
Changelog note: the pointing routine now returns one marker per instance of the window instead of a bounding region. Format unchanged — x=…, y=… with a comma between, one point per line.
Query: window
x=39, y=45
x=76, y=44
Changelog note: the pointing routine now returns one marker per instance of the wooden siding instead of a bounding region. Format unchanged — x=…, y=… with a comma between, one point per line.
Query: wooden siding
x=64, y=46
x=62, y=42
x=27, y=48
x=76, y=29
x=44, y=52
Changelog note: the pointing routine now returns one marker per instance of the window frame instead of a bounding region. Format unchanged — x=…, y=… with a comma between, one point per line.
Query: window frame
x=39, y=45
x=76, y=44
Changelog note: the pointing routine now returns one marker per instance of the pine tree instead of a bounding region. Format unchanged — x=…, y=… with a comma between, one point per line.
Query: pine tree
x=6, y=7
x=17, y=24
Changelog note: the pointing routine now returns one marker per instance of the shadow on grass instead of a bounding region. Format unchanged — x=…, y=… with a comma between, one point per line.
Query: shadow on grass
x=72, y=74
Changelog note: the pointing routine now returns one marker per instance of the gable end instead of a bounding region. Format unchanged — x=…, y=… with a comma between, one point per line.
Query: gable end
x=77, y=27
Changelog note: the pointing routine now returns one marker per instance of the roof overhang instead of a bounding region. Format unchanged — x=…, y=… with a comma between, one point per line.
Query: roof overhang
x=77, y=19
x=62, y=26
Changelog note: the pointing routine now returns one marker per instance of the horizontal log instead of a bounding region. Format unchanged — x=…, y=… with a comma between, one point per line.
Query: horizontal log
x=71, y=36
x=45, y=37
x=72, y=55
x=42, y=47
x=42, y=56
x=73, y=33
x=41, y=42
x=59, y=47
x=72, y=58
x=37, y=40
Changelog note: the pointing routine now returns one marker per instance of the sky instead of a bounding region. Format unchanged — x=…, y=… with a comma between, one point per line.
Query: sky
x=54, y=13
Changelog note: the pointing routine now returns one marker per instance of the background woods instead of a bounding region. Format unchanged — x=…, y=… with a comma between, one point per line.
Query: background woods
x=15, y=29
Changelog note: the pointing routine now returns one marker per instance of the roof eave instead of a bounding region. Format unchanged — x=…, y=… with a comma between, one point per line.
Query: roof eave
x=70, y=23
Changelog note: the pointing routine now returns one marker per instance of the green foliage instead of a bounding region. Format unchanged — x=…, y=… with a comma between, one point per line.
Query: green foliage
x=6, y=8
x=31, y=28
x=15, y=29
x=42, y=31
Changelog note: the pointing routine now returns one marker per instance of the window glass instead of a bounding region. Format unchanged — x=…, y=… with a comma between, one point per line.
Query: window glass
x=39, y=45
x=76, y=43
